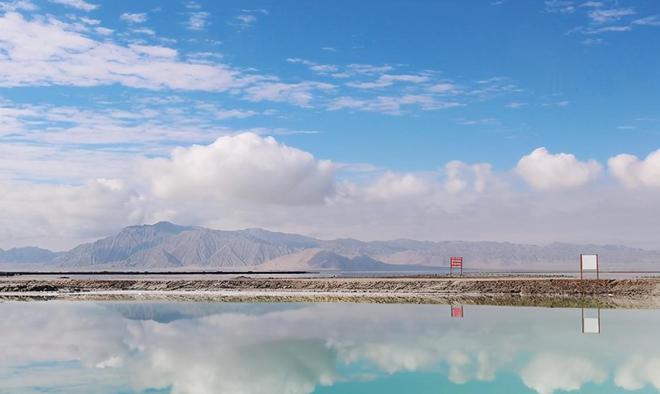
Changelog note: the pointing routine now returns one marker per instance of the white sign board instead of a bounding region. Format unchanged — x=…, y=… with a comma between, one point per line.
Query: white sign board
x=591, y=325
x=589, y=262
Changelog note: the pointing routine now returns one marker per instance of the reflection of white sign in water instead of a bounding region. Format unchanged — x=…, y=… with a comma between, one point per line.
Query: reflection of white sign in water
x=591, y=321
x=588, y=262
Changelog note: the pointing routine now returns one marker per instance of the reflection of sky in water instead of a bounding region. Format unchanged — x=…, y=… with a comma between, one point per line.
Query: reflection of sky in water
x=80, y=347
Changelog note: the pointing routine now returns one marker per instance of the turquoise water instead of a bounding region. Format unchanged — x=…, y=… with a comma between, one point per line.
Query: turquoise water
x=186, y=348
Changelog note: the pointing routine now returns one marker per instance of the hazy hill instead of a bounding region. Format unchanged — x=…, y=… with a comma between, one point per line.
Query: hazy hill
x=319, y=259
x=29, y=254
x=167, y=245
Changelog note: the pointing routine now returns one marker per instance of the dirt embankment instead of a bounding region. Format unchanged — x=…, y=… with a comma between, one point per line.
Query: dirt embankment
x=421, y=286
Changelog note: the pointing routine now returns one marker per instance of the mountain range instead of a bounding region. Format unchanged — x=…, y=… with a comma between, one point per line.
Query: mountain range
x=166, y=245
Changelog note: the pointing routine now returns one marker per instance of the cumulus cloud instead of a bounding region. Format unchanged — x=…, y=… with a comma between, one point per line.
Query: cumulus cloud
x=637, y=372
x=42, y=213
x=460, y=175
x=392, y=186
x=245, y=167
x=546, y=171
x=633, y=172
x=246, y=180
x=547, y=373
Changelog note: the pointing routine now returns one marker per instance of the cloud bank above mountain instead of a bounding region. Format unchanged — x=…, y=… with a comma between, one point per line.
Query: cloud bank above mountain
x=246, y=180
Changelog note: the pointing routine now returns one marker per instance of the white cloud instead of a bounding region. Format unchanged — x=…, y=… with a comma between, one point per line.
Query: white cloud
x=16, y=5
x=46, y=51
x=234, y=114
x=601, y=19
x=653, y=20
x=154, y=51
x=245, y=168
x=546, y=171
x=368, y=69
x=547, y=373
x=392, y=105
x=198, y=20
x=133, y=17
x=560, y=6
x=300, y=94
x=322, y=69
x=74, y=212
x=250, y=181
x=245, y=21
x=633, y=172
x=248, y=17
x=388, y=80
x=460, y=175
x=392, y=186
x=637, y=372
x=78, y=4
x=609, y=15
x=443, y=87
x=515, y=105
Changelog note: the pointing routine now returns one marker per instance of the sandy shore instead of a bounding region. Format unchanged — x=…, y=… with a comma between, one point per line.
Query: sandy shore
x=635, y=293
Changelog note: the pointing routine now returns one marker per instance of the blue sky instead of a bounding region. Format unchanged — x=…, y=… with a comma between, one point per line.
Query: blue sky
x=88, y=89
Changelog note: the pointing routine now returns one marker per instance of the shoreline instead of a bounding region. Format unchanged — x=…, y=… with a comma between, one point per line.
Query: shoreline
x=515, y=291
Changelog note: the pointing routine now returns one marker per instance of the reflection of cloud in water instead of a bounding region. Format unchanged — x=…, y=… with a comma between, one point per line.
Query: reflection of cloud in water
x=293, y=350
x=637, y=372
x=547, y=373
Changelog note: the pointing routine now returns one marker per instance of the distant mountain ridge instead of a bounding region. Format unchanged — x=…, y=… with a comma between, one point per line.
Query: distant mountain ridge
x=28, y=254
x=172, y=246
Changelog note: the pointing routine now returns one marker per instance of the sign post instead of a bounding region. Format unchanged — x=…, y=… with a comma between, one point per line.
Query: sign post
x=589, y=262
x=455, y=263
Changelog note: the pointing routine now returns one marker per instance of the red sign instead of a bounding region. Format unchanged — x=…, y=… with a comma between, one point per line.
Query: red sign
x=455, y=263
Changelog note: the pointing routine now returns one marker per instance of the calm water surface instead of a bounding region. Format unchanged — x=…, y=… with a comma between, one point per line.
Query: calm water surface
x=129, y=347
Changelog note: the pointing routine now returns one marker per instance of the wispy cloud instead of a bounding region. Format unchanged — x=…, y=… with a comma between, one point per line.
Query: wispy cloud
x=601, y=17
x=133, y=18
x=198, y=20
x=234, y=113
x=17, y=5
x=300, y=94
x=78, y=4
x=388, y=80
x=248, y=17
x=316, y=67
x=46, y=52
x=515, y=105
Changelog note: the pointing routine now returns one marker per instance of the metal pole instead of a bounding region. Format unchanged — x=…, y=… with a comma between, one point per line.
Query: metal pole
x=581, y=267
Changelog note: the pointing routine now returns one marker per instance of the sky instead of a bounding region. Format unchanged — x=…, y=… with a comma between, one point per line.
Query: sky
x=504, y=120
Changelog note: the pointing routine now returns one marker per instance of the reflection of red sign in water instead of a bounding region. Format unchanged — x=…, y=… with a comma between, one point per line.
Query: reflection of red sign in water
x=455, y=263
x=457, y=311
